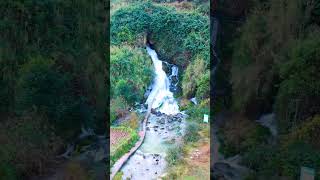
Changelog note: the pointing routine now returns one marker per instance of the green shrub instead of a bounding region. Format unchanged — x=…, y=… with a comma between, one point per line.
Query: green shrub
x=307, y=132
x=286, y=158
x=299, y=92
x=174, y=155
x=127, y=90
x=118, y=176
x=196, y=113
x=192, y=133
x=203, y=86
x=118, y=108
x=131, y=73
x=296, y=155
x=125, y=28
x=43, y=87
x=196, y=80
x=267, y=154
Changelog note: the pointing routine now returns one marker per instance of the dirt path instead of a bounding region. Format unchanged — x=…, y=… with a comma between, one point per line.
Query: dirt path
x=198, y=161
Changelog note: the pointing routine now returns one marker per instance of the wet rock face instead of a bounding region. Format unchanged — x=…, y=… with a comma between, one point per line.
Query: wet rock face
x=170, y=118
x=155, y=112
x=166, y=68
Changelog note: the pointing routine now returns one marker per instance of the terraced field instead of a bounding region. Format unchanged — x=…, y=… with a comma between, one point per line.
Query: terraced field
x=121, y=141
x=118, y=135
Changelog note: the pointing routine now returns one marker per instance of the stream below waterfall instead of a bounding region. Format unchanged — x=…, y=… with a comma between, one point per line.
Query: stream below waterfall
x=164, y=128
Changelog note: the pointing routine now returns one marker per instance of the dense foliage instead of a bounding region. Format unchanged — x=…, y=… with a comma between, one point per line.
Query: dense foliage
x=27, y=143
x=265, y=59
x=52, y=62
x=299, y=94
x=130, y=73
x=196, y=80
x=274, y=68
x=188, y=33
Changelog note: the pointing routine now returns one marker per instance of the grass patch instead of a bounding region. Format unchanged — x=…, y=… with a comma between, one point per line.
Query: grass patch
x=174, y=155
x=192, y=133
x=118, y=176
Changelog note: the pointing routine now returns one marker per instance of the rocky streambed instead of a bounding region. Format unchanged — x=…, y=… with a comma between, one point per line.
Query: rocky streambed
x=162, y=132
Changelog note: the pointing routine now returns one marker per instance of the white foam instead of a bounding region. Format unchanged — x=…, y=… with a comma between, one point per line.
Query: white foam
x=161, y=97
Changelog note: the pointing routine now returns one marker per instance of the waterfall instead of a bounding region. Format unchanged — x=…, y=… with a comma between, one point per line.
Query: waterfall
x=161, y=97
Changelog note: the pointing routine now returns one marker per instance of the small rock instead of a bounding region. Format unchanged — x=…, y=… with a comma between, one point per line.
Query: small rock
x=153, y=111
x=158, y=113
x=161, y=121
x=170, y=128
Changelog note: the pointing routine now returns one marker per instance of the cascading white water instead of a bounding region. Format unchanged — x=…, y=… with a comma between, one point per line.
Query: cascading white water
x=148, y=162
x=161, y=97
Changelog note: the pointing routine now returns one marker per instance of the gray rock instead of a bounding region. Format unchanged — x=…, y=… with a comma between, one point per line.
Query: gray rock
x=161, y=121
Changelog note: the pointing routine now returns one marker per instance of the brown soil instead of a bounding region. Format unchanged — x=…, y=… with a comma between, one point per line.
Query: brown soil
x=201, y=156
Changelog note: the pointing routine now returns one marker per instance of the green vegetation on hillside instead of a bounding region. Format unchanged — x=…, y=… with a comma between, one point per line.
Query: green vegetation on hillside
x=130, y=75
x=52, y=70
x=187, y=32
x=274, y=68
x=179, y=37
